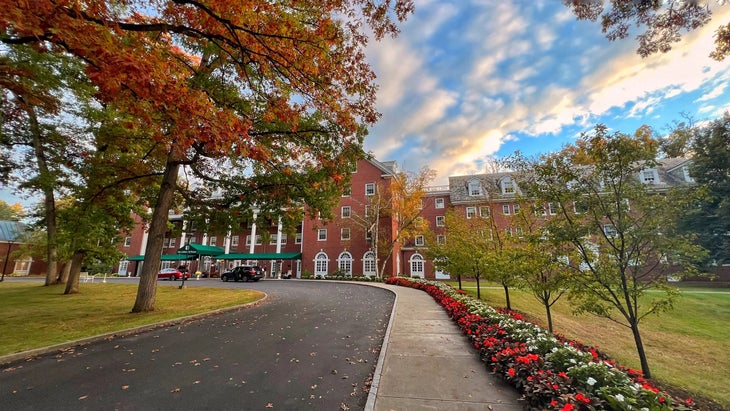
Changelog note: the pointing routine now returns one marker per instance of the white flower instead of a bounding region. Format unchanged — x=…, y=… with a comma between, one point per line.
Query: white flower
x=620, y=397
x=591, y=381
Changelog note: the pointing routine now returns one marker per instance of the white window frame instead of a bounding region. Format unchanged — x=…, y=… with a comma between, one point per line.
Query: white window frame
x=484, y=211
x=474, y=188
x=369, y=268
x=471, y=212
x=507, y=185
x=440, y=203
x=211, y=241
x=440, y=239
x=127, y=241
x=321, y=263
x=298, y=238
x=347, y=192
x=420, y=241
x=440, y=221
x=515, y=208
x=345, y=233
x=346, y=212
x=322, y=234
x=344, y=263
x=369, y=189
x=505, y=209
x=649, y=176
x=234, y=241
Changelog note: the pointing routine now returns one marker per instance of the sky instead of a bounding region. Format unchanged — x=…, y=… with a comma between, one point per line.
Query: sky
x=470, y=80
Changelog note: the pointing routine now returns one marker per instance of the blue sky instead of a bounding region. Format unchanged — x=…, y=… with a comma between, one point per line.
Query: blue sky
x=467, y=80
x=471, y=79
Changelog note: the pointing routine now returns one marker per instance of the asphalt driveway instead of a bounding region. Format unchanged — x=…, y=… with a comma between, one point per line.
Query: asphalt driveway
x=311, y=345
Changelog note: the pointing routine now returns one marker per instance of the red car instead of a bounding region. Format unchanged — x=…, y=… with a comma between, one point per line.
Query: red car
x=172, y=274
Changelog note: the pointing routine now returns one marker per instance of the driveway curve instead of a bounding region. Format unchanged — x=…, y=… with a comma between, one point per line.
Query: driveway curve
x=311, y=345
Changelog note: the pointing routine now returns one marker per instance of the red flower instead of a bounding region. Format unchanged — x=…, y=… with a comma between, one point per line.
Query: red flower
x=511, y=372
x=568, y=407
x=554, y=403
x=583, y=398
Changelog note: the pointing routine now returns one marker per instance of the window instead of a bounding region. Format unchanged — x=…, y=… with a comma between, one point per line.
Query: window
x=344, y=263
x=551, y=209
x=192, y=240
x=368, y=264
x=441, y=239
x=234, y=241
x=345, y=212
x=475, y=187
x=416, y=263
x=320, y=264
x=440, y=221
x=273, y=239
x=518, y=232
x=471, y=212
x=367, y=211
x=213, y=241
x=123, y=266
x=420, y=242
x=507, y=185
x=322, y=234
x=420, y=204
x=484, y=211
x=580, y=207
x=440, y=203
x=344, y=233
x=370, y=189
x=516, y=208
x=298, y=238
x=505, y=209
x=539, y=210
x=127, y=241
x=258, y=240
x=687, y=177
x=649, y=176
x=347, y=191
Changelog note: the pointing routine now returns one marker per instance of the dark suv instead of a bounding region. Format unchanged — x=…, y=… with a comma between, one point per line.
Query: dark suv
x=243, y=273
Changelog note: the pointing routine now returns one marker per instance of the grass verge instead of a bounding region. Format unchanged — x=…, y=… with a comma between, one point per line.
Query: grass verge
x=687, y=347
x=35, y=316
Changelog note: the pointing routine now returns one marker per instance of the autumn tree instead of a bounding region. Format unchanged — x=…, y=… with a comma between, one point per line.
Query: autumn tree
x=11, y=212
x=663, y=22
x=392, y=214
x=225, y=82
x=622, y=229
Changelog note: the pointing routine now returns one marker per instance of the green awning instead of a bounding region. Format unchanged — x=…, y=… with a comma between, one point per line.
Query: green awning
x=200, y=249
x=164, y=257
x=260, y=256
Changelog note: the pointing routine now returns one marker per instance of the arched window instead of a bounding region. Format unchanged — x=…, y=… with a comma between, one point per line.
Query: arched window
x=369, y=268
x=320, y=263
x=475, y=187
x=416, y=263
x=344, y=263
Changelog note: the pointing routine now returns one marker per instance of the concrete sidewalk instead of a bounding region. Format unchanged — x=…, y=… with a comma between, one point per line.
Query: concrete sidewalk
x=427, y=363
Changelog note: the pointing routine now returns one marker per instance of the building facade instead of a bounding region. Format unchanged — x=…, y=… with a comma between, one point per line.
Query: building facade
x=344, y=244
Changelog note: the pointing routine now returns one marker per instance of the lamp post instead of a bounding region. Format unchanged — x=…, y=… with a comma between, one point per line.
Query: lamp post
x=7, y=258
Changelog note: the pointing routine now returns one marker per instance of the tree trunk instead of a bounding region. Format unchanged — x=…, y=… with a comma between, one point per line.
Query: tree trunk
x=549, y=315
x=479, y=288
x=640, y=350
x=72, y=285
x=506, y=297
x=47, y=183
x=65, y=270
x=458, y=276
x=147, y=289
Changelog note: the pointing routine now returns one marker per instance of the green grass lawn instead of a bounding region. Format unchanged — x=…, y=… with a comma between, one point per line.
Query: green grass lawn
x=34, y=316
x=688, y=348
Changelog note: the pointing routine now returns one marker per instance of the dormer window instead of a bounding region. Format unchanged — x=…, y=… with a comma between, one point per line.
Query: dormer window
x=475, y=188
x=687, y=177
x=507, y=185
x=649, y=176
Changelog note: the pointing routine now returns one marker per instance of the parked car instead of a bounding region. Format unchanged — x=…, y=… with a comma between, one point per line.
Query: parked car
x=172, y=274
x=243, y=273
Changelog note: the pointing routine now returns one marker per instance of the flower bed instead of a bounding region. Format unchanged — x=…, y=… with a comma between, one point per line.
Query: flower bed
x=552, y=372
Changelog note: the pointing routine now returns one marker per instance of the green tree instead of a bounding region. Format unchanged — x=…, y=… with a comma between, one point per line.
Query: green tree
x=624, y=231
x=709, y=218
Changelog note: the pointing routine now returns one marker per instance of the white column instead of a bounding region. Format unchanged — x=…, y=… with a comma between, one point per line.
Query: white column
x=227, y=242
x=253, y=232
x=278, y=237
x=183, y=236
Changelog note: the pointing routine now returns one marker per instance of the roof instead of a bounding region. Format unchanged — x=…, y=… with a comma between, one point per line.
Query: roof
x=11, y=231
x=200, y=249
x=260, y=256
